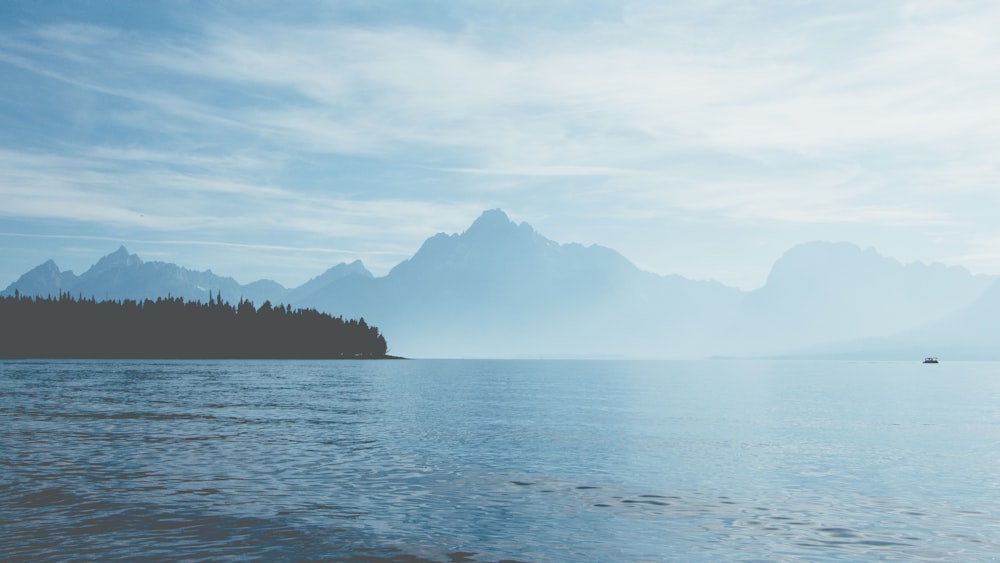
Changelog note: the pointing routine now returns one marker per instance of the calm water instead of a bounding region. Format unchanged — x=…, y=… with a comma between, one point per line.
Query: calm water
x=462, y=461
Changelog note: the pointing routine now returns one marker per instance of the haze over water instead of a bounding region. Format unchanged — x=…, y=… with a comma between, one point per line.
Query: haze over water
x=492, y=460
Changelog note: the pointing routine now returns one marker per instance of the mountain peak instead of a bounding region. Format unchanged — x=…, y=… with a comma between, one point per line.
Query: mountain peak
x=323, y=282
x=117, y=259
x=820, y=260
x=495, y=214
x=49, y=266
x=345, y=269
x=491, y=221
x=44, y=279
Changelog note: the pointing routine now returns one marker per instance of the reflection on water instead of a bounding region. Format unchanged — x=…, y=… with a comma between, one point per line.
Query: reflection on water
x=487, y=461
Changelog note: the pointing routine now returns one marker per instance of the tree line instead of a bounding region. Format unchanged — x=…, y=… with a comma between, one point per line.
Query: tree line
x=171, y=328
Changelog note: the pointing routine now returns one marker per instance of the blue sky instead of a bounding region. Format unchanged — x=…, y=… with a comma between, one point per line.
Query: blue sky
x=700, y=138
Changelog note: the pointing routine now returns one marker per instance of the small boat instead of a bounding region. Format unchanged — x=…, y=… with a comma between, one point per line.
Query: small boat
x=930, y=360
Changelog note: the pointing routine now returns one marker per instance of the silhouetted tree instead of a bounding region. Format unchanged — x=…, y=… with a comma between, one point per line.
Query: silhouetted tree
x=67, y=327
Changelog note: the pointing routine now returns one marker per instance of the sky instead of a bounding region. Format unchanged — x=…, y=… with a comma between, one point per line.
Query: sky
x=702, y=138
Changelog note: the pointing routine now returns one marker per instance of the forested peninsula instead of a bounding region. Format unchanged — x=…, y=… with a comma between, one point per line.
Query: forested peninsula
x=171, y=328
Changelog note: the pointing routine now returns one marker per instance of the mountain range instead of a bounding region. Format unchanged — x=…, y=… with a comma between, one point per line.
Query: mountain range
x=500, y=289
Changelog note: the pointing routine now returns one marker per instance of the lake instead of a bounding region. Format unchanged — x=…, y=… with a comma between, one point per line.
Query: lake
x=474, y=461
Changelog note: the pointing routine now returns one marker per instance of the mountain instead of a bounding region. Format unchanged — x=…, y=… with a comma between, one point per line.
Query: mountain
x=501, y=289
x=969, y=333
x=308, y=290
x=824, y=292
x=44, y=279
x=121, y=275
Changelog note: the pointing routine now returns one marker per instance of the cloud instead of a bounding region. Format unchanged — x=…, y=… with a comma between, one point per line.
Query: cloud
x=612, y=96
x=181, y=242
x=76, y=34
x=568, y=99
x=156, y=191
x=544, y=171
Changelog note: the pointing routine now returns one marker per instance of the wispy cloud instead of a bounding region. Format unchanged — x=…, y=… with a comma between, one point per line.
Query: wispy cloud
x=172, y=242
x=614, y=97
x=600, y=96
x=158, y=192
x=557, y=171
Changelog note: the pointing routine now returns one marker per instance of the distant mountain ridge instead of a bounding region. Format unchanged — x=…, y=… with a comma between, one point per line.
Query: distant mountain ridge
x=121, y=275
x=969, y=333
x=306, y=291
x=832, y=292
x=500, y=289
x=45, y=279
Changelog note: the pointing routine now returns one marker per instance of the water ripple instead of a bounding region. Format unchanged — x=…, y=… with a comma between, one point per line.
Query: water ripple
x=413, y=462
